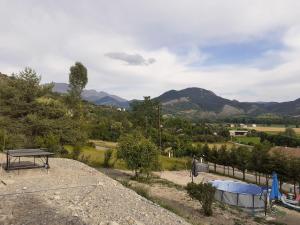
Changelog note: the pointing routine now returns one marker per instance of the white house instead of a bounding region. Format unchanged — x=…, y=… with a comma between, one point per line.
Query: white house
x=234, y=133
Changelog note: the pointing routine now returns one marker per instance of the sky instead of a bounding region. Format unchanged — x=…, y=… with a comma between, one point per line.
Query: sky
x=247, y=50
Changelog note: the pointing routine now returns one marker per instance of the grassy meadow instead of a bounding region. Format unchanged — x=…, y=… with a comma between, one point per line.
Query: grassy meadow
x=95, y=157
x=247, y=140
x=218, y=144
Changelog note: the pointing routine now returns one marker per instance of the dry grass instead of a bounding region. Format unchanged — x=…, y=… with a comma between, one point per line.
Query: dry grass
x=289, y=152
x=106, y=144
x=274, y=129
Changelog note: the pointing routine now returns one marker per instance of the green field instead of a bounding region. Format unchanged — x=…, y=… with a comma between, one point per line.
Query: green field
x=247, y=140
x=217, y=144
x=96, y=159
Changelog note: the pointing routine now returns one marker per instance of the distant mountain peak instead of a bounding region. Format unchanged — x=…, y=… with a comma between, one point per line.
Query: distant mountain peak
x=198, y=102
x=97, y=97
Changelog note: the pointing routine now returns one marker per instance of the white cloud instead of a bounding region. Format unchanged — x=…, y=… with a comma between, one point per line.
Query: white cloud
x=50, y=36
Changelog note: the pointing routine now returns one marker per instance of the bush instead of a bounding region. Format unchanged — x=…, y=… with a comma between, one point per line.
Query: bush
x=76, y=152
x=91, y=144
x=140, y=154
x=84, y=159
x=107, y=157
x=204, y=193
x=49, y=141
x=142, y=191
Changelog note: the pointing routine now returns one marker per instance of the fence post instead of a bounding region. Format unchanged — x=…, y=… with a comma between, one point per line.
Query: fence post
x=222, y=196
x=253, y=204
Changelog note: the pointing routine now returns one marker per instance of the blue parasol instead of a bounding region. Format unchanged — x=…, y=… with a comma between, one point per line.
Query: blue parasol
x=275, y=194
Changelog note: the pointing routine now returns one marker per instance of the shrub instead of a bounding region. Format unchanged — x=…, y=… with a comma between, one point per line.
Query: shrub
x=204, y=193
x=142, y=191
x=91, y=144
x=140, y=154
x=49, y=141
x=84, y=159
x=107, y=157
x=76, y=152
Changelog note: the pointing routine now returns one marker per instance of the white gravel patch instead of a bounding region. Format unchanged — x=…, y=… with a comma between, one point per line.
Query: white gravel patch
x=74, y=193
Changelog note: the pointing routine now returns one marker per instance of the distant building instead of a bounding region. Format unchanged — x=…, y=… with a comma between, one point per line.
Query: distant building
x=232, y=125
x=243, y=125
x=121, y=109
x=253, y=125
x=234, y=133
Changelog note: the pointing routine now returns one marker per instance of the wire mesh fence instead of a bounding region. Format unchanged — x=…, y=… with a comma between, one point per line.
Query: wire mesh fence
x=248, y=202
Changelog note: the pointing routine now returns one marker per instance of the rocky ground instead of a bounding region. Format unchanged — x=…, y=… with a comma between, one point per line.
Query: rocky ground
x=72, y=193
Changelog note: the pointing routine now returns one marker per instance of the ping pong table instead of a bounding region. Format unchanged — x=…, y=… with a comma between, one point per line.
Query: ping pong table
x=21, y=153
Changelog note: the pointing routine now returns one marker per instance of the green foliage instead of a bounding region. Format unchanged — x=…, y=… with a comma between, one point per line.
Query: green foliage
x=248, y=140
x=290, y=132
x=144, y=114
x=139, y=153
x=77, y=79
x=107, y=157
x=3, y=139
x=142, y=191
x=280, y=139
x=32, y=116
x=49, y=141
x=76, y=152
x=242, y=156
x=204, y=193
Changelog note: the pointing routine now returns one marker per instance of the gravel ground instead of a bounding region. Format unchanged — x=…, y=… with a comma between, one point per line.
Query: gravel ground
x=73, y=193
x=183, y=177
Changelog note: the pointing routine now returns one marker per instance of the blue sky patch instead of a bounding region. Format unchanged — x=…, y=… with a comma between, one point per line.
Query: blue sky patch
x=240, y=53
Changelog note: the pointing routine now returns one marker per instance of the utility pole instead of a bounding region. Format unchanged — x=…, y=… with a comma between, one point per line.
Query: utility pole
x=159, y=128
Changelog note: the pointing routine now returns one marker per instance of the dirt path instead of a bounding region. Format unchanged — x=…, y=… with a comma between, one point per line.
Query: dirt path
x=183, y=177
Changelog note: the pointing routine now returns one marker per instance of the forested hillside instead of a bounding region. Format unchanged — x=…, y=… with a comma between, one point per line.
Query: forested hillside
x=31, y=115
x=198, y=103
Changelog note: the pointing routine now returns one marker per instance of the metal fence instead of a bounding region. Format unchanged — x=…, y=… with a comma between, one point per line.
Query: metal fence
x=248, y=202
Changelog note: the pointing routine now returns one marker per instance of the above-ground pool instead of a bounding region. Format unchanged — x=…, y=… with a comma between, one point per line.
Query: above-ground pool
x=247, y=196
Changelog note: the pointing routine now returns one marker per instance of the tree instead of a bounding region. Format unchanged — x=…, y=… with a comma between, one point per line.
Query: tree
x=205, y=152
x=204, y=193
x=294, y=171
x=146, y=115
x=78, y=79
x=28, y=82
x=233, y=159
x=243, y=156
x=214, y=155
x=139, y=153
x=280, y=166
x=33, y=116
x=259, y=160
x=107, y=157
x=3, y=139
x=290, y=132
x=223, y=157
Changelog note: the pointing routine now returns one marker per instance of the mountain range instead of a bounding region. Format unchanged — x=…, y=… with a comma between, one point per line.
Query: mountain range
x=196, y=103
x=201, y=103
x=97, y=97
